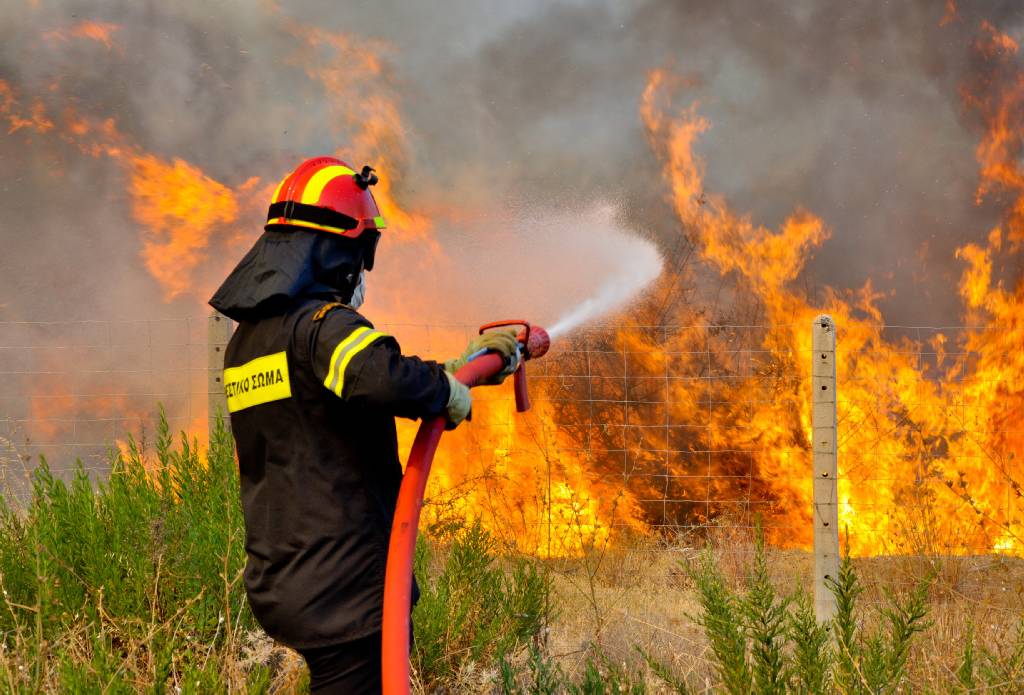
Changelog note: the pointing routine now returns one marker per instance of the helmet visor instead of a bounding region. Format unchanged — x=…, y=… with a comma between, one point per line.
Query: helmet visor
x=370, y=239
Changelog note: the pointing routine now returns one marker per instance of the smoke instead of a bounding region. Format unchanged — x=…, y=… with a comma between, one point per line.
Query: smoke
x=566, y=265
x=852, y=112
x=630, y=265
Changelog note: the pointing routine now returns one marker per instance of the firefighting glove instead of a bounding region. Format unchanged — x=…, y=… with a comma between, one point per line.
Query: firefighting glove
x=501, y=341
x=460, y=403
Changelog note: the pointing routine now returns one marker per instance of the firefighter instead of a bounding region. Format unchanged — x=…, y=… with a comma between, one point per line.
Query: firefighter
x=313, y=390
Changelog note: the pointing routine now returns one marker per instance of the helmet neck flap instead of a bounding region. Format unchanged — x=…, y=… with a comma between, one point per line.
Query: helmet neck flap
x=288, y=265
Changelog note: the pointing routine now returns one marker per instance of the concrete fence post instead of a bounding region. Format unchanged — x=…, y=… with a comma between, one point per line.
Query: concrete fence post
x=826, y=467
x=218, y=333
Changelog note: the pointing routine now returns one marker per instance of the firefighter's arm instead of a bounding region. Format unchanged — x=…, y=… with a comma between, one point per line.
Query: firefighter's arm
x=363, y=365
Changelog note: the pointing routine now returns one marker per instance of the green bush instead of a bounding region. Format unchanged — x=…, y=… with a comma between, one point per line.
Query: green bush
x=1000, y=673
x=540, y=675
x=768, y=644
x=474, y=609
x=136, y=579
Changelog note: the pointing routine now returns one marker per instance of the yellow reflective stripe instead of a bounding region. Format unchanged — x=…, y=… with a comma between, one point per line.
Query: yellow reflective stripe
x=360, y=339
x=356, y=349
x=308, y=225
x=336, y=355
x=258, y=381
x=318, y=182
x=379, y=222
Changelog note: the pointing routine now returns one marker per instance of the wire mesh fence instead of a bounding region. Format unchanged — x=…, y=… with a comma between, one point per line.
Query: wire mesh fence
x=677, y=431
x=72, y=390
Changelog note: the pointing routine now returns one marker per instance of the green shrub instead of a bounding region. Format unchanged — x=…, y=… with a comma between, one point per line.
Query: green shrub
x=768, y=644
x=542, y=676
x=987, y=671
x=875, y=661
x=474, y=609
x=118, y=582
x=812, y=656
x=724, y=625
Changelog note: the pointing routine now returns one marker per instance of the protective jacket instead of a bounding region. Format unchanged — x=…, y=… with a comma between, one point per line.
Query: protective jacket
x=313, y=392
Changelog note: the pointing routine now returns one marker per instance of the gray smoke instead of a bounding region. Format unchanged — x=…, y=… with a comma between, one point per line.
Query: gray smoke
x=849, y=110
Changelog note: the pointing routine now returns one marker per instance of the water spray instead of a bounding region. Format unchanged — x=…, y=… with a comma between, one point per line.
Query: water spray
x=616, y=290
x=534, y=342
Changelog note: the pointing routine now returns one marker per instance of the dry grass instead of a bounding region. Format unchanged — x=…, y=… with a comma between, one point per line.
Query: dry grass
x=639, y=595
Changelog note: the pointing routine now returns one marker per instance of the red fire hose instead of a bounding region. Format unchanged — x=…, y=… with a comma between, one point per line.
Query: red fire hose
x=534, y=342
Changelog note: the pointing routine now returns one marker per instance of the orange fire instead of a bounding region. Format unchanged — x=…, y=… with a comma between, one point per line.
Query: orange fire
x=950, y=15
x=926, y=450
x=178, y=206
x=364, y=108
x=101, y=32
x=34, y=119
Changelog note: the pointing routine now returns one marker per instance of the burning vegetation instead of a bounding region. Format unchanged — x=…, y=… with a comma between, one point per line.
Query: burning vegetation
x=674, y=414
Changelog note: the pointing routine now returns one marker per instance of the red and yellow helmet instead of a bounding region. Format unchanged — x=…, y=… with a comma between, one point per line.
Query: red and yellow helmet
x=326, y=195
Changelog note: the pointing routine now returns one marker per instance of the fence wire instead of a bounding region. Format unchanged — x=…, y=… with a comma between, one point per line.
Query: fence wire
x=683, y=432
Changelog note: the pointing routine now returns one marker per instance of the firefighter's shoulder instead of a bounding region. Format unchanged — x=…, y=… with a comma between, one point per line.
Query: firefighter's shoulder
x=333, y=317
x=328, y=307
x=331, y=322
x=343, y=337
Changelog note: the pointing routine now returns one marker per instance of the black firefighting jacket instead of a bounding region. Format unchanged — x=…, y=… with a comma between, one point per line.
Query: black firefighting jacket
x=313, y=394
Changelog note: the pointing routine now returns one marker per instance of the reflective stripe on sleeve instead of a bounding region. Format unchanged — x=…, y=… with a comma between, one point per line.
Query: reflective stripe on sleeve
x=356, y=342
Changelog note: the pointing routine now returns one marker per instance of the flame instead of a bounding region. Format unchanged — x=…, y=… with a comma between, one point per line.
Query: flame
x=101, y=32
x=179, y=207
x=527, y=481
x=950, y=14
x=34, y=119
x=87, y=412
x=994, y=42
x=925, y=453
x=69, y=412
x=182, y=211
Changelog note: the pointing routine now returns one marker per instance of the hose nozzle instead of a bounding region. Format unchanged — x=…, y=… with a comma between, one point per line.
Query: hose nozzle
x=535, y=343
x=535, y=340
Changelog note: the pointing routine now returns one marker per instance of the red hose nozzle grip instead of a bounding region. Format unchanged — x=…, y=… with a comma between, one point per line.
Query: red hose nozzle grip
x=521, y=389
x=534, y=339
x=534, y=342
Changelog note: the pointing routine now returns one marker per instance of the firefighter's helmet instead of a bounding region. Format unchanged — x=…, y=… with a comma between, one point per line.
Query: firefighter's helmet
x=325, y=194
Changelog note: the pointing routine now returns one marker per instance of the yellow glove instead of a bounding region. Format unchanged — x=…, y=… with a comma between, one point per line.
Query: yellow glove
x=502, y=341
x=460, y=403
